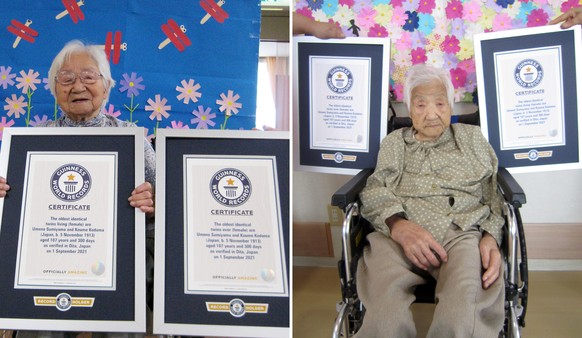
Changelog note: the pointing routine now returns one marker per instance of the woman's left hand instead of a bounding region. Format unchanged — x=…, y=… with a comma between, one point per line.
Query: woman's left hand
x=142, y=197
x=490, y=258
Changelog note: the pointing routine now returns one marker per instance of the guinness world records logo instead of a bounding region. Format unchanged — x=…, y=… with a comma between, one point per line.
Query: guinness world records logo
x=64, y=302
x=230, y=187
x=70, y=182
x=340, y=79
x=528, y=73
x=237, y=307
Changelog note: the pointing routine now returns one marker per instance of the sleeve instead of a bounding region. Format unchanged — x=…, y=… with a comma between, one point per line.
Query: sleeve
x=150, y=163
x=493, y=224
x=378, y=199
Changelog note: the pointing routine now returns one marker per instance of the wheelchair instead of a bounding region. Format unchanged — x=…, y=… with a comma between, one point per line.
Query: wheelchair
x=355, y=229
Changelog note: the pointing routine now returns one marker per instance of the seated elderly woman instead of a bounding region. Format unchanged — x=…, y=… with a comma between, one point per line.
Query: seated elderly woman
x=81, y=82
x=436, y=211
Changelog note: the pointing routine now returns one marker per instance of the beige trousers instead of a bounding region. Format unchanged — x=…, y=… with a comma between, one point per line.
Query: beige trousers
x=386, y=280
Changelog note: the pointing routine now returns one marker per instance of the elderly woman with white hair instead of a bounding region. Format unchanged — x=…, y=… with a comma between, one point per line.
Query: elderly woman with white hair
x=80, y=81
x=436, y=211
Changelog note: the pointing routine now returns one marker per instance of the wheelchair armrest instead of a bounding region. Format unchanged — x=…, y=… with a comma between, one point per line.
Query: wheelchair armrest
x=348, y=193
x=511, y=190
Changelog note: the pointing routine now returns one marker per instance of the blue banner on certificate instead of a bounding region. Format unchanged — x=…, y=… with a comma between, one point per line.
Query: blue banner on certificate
x=222, y=233
x=532, y=108
x=233, y=216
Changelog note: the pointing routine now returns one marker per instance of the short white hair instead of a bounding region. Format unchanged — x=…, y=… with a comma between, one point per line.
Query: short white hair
x=422, y=74
x=97, y=53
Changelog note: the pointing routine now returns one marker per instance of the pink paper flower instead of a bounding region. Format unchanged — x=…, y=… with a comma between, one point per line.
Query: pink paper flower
x=5, y=124
x=111, y=111
x=366, y=18
x=454, y=9
x=15, y=106
x=38, y=120
x=405, y=41
x=501, y=22
x=567, y=5
x=399, y=16
x=158, y=108
x=229, y=103
x=458, y=77
x=418, y=56
x=450, y=44
x=188, y=91
x=426, y=6
x=378, y=31
x=537, y=17
x=178, y=125
x=28, y=81
x=472, y=11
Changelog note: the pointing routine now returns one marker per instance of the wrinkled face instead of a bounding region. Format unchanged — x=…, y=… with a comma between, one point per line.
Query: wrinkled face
x=430, y=110
x=81, y=101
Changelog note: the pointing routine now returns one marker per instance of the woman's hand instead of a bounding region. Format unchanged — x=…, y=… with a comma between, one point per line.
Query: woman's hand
x=4, y=187
x=142, y=197
x=490, y=258
x=569, y=19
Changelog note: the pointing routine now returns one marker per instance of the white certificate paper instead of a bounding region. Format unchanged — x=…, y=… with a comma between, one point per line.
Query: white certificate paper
x=68, y=222
x=531, y=99
x=340, y=103
x=233, y=233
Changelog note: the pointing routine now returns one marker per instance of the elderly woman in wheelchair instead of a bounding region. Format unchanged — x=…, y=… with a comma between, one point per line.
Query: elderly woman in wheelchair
x=436, y=211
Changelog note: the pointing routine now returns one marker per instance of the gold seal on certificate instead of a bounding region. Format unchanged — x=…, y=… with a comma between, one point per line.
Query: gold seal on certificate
x=233, y=230
x=67, y=231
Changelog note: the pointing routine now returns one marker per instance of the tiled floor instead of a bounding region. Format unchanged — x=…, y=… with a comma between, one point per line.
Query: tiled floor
x=554, y=308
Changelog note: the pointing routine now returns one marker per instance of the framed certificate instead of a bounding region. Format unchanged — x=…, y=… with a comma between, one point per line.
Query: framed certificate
x=71, y=246
x=341, y=106
x=529, y=87
x=222, y=233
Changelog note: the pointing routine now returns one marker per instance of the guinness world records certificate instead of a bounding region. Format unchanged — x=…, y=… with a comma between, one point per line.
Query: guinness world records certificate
x=71, y=245
x=528, y=83
x=222, y=233
x=233, y=215
x=340, y=101
x=68, y=223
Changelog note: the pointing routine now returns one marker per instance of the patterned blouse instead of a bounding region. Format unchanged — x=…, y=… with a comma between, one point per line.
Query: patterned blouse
x=435, y=183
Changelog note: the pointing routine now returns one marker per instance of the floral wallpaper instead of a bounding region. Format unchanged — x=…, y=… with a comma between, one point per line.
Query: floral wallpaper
x=433, y=31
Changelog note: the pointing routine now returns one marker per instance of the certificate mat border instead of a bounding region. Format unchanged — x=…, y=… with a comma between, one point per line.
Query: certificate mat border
x=113, y=261
x=277, y=229
x=185, y=314
x=123, y=310
x=312, y=160
x=486, y=44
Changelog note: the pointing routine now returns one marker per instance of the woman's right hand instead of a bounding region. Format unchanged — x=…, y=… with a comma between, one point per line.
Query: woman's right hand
x=4, y=187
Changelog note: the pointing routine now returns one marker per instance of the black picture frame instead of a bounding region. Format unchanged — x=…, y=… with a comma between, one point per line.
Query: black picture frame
x=175, y=311
x=338, y=159
x=120, y=310
x=531, y=157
